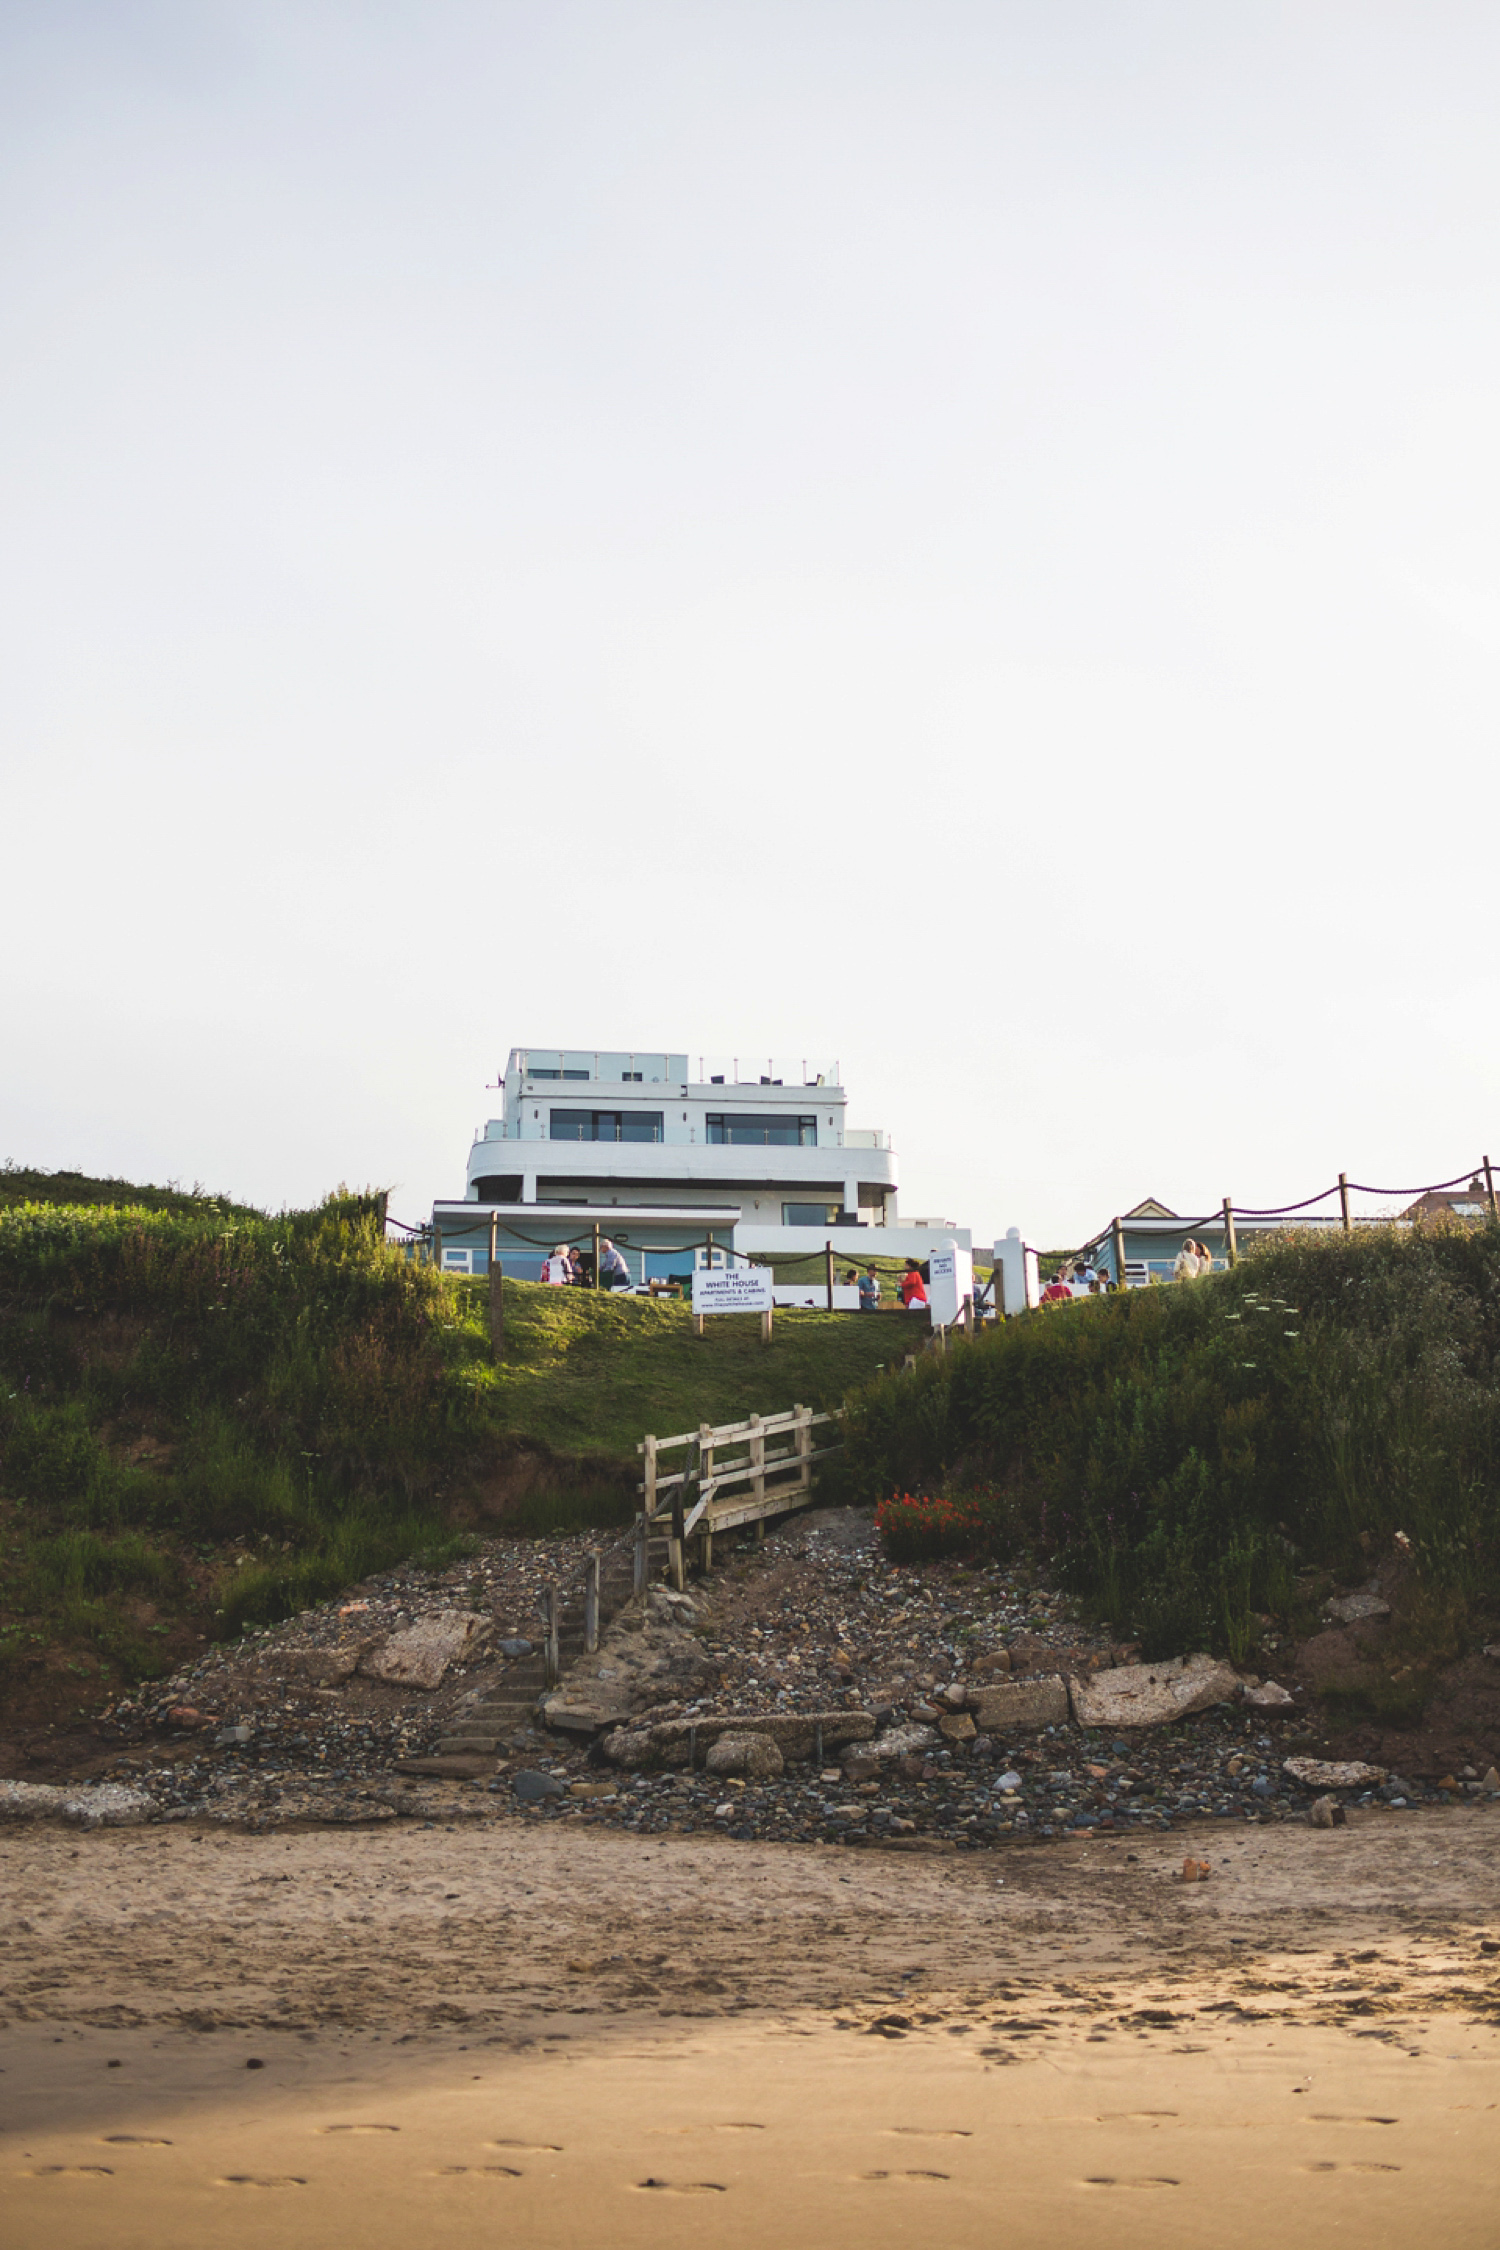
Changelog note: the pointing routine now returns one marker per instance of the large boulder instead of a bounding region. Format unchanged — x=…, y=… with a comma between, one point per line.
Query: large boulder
x=420, y=1654
x=1333, y=1773
x=104, y=1804
x=1021, y=1706
x=753, y=1755
x=1152, y=1695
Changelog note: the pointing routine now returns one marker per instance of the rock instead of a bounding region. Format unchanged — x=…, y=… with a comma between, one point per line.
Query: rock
x=592, y=1789
x=233, y=1738
x=1020, y=1706
x=105, y=1804
x=998, y=1662
x=1324, y=1773
x=795, y=1733
x=957, y=1727
x=668, y=1608
x=420, y=1656
x=955, y=1695
x=755, y=1756
x=1490, y=1780
x=1356, y=1609
x=581, y=1718
x=532, y=1788
x=1195, y=1871
x=324, y=1667
x=1326, y=1812
x=1151, y=1695
x=1269, y=1697
x=724, y=1811
x=183, y=1715
x=929, y=1713
x=515, y=1646
x=1008, y=1783
x=902, y=1742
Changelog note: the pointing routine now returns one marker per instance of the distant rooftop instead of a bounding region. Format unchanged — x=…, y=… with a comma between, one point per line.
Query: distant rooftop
x=615, y=1066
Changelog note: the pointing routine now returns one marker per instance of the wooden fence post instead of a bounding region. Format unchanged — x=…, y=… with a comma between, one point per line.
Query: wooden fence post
x=679, y=1540
x=551, y=1646
x=1119, y=1234
x=804, y=1446
x=596, y=1253
x=766, y=1319
x=828, y=1271
x=757, y=1459
x=1489, y=1189
x=1344, y=1201
x=437, y=1246
x=591, y=1604
x=1231, y=1247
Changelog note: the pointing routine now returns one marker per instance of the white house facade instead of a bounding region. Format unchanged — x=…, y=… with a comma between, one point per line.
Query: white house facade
x=756, y=1152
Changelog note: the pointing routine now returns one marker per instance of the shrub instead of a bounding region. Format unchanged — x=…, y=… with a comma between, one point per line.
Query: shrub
x=921, y=1528
x=1178, y=1455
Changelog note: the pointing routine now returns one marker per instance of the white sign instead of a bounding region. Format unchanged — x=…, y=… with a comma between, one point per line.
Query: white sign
x=733, y=1289
x=952, y=1271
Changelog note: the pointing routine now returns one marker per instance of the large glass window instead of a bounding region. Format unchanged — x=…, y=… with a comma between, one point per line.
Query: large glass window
x=741, y=1131
x=605, y=1124
x=809, y=1214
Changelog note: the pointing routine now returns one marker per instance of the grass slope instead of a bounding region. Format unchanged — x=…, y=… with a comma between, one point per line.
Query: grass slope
x=211, y=1418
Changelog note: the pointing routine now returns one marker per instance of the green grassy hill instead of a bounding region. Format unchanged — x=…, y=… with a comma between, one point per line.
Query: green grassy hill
x=210, y=1417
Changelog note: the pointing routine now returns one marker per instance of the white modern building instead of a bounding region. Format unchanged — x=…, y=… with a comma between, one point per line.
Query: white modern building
x=664, y=1149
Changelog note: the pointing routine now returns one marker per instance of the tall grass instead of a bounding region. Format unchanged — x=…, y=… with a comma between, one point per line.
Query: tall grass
x=1182, y=1456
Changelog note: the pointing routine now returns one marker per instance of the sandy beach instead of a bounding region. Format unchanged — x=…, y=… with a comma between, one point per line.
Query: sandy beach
x=413, y=2034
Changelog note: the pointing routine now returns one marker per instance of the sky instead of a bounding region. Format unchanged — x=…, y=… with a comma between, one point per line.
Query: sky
x=960, y=537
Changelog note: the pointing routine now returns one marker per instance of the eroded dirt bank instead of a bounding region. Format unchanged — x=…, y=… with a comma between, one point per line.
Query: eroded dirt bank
x=589, y=2037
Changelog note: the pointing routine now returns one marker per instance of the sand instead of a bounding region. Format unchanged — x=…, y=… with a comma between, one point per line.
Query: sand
x=575, y=2038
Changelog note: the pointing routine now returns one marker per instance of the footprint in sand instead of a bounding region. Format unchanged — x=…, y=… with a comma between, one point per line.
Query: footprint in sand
x=932, y=2132
x=674, y=2132
x=1328, y=2166
x=529, y=2148
x=1107, y=2180
x=133, y=2140
x=1332, y=2117
x=1134, y=2116
x=478, y=2172
x=359, y=2128
x=261, y=2179
x=684, y=2187
x=67, y=2172
x=904, y=2175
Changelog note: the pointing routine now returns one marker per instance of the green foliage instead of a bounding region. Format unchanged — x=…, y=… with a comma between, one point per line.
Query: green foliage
x=1173, y=1453
x=301, y=1405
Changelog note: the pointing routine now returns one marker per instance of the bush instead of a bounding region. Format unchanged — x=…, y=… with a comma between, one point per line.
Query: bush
x=1178, y=1455
x=919, y=1528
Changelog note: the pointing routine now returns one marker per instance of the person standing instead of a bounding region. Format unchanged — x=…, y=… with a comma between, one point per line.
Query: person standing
x=614, y=1273
x=913, y=1288
x=869, y=1290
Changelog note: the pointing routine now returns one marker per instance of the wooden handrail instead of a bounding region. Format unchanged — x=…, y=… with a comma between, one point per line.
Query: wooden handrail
x=725, y=1430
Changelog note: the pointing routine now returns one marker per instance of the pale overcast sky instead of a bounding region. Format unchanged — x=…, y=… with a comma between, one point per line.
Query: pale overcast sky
x=956, y=536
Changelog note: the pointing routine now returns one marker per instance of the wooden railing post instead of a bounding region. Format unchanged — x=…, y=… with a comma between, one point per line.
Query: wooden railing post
x=828, y=1271
x=591, y=1603
x=1231, y=1247
x=551, y=1645
x=757, y=1459
x=804, y=1446
x=1119, y=1239
x=1489, y=1189
x=1344, y=1202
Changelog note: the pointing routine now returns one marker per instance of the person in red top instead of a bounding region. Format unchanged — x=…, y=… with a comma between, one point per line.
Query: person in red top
x=913, y=1288
x=1057, y=1292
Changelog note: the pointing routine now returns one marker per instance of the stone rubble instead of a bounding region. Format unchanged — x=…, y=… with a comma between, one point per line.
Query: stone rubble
x=934, y=1707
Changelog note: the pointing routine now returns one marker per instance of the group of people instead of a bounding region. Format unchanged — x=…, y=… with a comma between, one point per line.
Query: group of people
x=1075, y=1280
x=911, y=1288
x=1191, y=1260
x=568, y=1268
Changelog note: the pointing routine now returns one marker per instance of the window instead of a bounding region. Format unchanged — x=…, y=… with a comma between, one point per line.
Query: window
x=583, y=1074
x=810, y=1214
x=732, y=1131
x=605, y=1124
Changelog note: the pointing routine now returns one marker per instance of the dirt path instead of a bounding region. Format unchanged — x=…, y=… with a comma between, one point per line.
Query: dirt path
x=455, y=2029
